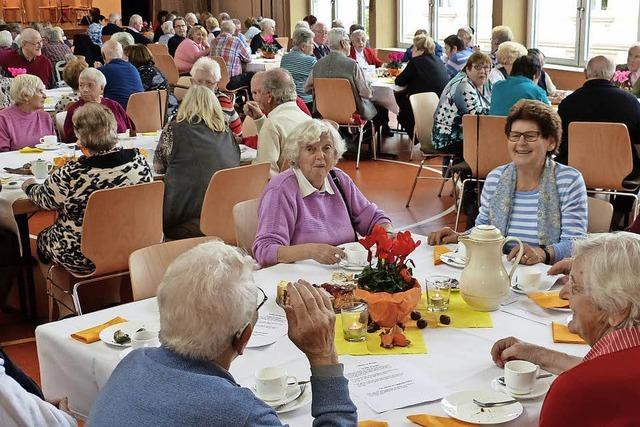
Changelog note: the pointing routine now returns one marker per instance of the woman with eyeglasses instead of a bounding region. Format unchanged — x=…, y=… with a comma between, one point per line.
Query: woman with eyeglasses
x=469, y=92
x=542, y=202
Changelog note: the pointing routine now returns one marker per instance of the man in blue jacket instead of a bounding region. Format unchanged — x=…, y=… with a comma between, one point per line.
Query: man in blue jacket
x=123, y=78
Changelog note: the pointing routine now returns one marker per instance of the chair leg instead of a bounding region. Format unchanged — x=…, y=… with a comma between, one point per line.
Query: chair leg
x=464, y=184
x=415, y=181
x=411, y=145
x=374, y=137
x=359, y=146
x=446, y=175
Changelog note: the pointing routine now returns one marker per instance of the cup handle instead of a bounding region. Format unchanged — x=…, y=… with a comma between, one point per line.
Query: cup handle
x=41, y=140
x=516, y=263
x=294, y=380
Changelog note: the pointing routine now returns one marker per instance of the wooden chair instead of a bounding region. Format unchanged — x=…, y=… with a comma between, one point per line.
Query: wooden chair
x=602, y=153
x=224, y=78
x=485, y=148
x=245, y=221
x=600, y=213
x=424, y=106
x=158, y=49
x=227, y=188
x=335, y=101
x=148, y=265
x=76, y=8
x=117, y=221
x=60, y=118
x=147, y=110
x=48, y=11
x=284, y=42
x=167, y=67
x=181, y=87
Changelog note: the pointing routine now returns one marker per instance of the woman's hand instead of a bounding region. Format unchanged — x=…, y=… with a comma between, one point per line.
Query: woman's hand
x=530, y=255
x=27, y=183
x=444, y=235
x=324, y=253
x=561, y=267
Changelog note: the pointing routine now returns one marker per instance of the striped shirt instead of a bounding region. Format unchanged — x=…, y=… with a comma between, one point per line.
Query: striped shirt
x=618, y=340
x=299, y=65
x=457, y=62
x=524, y=211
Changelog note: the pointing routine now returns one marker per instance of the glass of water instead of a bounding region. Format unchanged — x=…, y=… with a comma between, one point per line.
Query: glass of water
x=438, y=293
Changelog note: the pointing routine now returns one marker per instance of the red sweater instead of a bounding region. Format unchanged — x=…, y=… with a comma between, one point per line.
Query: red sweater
x=40, y=66
x=602, y=392
x=369, y=55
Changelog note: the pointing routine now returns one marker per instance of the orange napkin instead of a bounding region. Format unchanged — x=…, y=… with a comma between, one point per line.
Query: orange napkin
x=435, y=421
x=372, y=423
x=437, y=251
x=549, y=299
x=561, y=334
x=91, y=335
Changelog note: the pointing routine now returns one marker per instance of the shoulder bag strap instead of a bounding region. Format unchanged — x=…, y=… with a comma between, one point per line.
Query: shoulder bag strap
x=336, y=181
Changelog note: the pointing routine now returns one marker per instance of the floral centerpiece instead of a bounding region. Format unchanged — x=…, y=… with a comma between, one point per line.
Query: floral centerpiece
x=395, y=63
x=269, y=50
x=622, y=79
x=388, y=286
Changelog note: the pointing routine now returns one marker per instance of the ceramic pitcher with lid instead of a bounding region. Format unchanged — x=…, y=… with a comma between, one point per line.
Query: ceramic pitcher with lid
x=484, y=282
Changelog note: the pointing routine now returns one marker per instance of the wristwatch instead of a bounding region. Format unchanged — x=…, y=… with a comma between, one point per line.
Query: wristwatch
x=547, y=255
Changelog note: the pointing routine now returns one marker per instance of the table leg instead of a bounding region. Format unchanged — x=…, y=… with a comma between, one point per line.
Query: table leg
x=27, y=262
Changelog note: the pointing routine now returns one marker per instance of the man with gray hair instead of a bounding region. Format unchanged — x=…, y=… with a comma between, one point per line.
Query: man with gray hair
x=54, y=48
x=29, y=56
x=599, y=100
x=113, y=26
x=209, y=306
x=633, y=66
x=123, y=79
x=134, y=28
x=275, y=113
x=235, y=53
x=321, y=33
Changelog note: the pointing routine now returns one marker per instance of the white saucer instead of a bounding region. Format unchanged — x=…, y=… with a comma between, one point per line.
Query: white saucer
x=546, y=286
x=461, y=407
x=539, y=389
x=292, y=393
x=303, y=400
x=129, y=328
x=56, y=146
x=347, y=266
x=12, y=185
x=560, y=309
x=452, y=260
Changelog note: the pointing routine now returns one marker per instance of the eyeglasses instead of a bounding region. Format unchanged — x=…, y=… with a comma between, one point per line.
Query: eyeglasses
x=209, y=84
x=35, y=44
x=530, y=136
x=479, y=67
x=262, y=298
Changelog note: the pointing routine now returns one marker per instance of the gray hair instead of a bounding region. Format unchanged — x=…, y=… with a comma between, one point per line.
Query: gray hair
x=508, y=52
x=502, y=34
x=135, y=18
x=114, y=17
x=279, y=83
x=28, y=34
x=359, y=33
x=228, y=27
x=207, y=297
x=190, y=15
x=94, y=75
x=52, y=35
x=336, y=36
x=267, y=22
x=612, y=273
x=95, y=127
x=600, y=67
x=310, y=132
x=6, y=40
x=125, y=39
x=302, y=36
x=167, y=27
x=25, y=86
x=207, y=65
x=302, y=24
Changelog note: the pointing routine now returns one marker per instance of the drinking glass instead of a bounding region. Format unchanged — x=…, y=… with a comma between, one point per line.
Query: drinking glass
x=355, y=317
x=438, y=293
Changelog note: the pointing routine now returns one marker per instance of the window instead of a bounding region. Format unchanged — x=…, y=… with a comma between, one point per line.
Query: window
x=323, y=10
x=589, y=28
x=347, y=11
x=441, y=18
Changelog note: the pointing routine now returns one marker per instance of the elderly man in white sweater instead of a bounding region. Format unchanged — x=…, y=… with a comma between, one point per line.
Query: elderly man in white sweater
x=275, y=112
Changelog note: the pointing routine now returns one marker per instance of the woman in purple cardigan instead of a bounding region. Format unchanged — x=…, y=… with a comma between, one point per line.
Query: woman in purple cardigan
x=309, y=209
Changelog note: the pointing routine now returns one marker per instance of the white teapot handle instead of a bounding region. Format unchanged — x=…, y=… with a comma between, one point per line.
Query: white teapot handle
x=516, y=262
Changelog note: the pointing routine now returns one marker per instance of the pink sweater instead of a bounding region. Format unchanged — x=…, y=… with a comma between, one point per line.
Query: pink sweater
x=19, y=129
x=187, y=54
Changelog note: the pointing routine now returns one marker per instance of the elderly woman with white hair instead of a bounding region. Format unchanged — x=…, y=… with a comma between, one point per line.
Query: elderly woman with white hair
x=362, y=54
x=67, y=189
x=6, y=40
x=308, y=210
x=267, y=36
x=193, y=146
x=208, y=306
x=300, y=61
x=91, y=83
x=506, y=55
x=167, y=32
x=604, y=295
x=25, y=122
x=125, y=39
x=193, y=47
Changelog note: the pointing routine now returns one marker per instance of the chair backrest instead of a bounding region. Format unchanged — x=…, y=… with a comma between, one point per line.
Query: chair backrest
x=601, y=152
x=424, y=106
x=249, y=127
x=158, y=49
x=147, y=110
x=334, y=99
x=59, y=66
x=485, y=145
x=60, y=118
x=167, y=67
x=284, y=42
x=245, y=221
x=227, y=188
x=224, y=72
x=148, y=265
x=180, y=91
x=600, y=213
x=118, y=221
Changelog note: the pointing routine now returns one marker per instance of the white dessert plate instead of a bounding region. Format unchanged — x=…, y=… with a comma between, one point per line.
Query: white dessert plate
x=129, y=328
x=461, y=407
x=50, y=146
x=453, y=259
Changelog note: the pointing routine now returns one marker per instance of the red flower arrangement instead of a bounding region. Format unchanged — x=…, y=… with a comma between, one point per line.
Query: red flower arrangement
x=395, y=60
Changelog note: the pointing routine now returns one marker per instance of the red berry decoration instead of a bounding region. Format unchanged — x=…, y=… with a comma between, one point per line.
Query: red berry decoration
x=421, y=323
x=444, y=319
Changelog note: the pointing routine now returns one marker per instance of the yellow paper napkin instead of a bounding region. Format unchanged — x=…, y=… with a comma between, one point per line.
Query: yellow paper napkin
x=459, y=312
x=561, y=334
x=372, y=423
x=91, y=335
x=549, y=299
x=155, y=133
x=437, y=251
x=435, y=421
x=372, y=344
x=29, y=150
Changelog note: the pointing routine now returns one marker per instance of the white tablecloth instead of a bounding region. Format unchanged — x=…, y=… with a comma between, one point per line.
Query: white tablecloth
x=261, y=64
x=53, y=96
x=383, y=93
x=458, y=359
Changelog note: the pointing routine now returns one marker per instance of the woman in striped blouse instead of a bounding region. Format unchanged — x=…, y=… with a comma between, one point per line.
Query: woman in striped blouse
x=542, y=202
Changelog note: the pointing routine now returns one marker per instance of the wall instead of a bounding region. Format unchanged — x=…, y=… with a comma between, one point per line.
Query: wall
x=383, y=32
x=107, y=6
x=299, y=9
x=512, y=13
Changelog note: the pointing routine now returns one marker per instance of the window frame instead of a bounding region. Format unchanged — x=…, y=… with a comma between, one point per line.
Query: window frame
x=334, y=11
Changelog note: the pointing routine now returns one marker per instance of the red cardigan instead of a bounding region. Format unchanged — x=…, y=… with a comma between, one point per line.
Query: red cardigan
x=369, y=55
x=604, y=391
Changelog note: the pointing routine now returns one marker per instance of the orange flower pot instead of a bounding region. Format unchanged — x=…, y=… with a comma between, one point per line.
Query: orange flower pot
x=268, y=55
x=388, y=309
x=393, y=72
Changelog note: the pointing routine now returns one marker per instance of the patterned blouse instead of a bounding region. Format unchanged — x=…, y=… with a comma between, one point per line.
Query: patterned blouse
x=67, y=190
x=152, y=79
x=65, y=100
x=5, y=98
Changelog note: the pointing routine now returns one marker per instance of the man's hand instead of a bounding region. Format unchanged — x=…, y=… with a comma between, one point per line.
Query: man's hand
x=442, y=236
x=252, y=109
x=311, y=323
x=561, y=267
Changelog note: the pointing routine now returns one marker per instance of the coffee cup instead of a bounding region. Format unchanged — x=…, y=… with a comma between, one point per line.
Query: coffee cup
x=520, y=376
x=528, y=278
x=40, y=168
x=49, y=140
x=355, y=256
x=145, y=338
x=272, y=382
